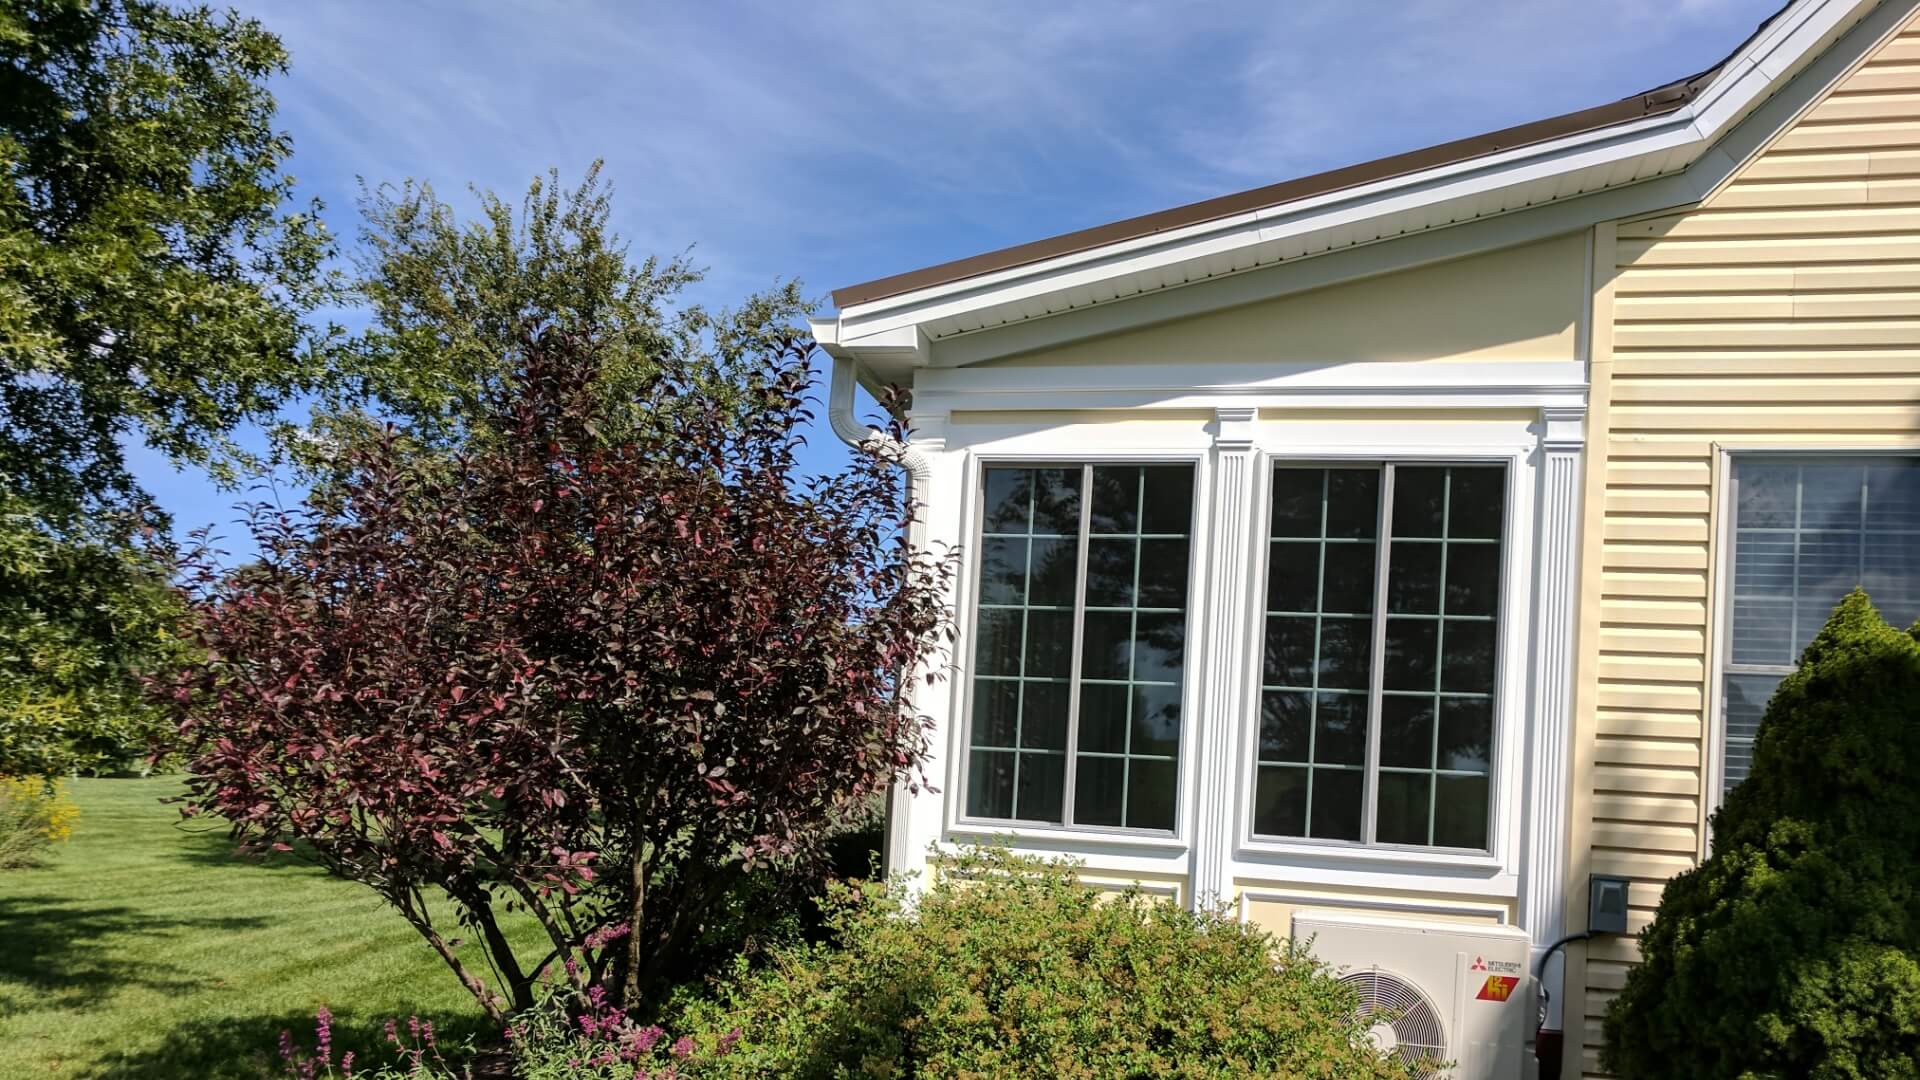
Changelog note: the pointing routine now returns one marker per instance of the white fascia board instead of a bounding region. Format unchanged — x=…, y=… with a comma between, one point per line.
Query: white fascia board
x=1461, y=181
x=1682, y=135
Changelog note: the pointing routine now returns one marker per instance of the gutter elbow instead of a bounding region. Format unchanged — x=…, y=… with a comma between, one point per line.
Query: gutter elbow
x=866, y=439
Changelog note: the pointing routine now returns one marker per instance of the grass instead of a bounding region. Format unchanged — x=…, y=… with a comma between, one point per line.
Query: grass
x=143, y=947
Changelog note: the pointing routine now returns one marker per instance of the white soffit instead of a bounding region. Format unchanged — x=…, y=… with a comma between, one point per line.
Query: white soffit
x=894, y=333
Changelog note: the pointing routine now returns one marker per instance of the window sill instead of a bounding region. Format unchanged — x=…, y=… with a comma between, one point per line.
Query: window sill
x=1064, y=836
x=1377, y=859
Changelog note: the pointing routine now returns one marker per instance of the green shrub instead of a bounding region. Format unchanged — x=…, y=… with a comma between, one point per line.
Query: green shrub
x=1009, y=967
x=34, y=814
x=1794, y=950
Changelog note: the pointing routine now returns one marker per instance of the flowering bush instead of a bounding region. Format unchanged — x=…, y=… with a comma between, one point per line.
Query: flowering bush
x=415, y=1055
x=34, y=813
x=583, y=1036
x=569, y=1035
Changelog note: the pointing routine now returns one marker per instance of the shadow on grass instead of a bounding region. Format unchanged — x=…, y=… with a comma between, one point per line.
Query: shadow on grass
x=207, y=843
x=64, y=951
x=247, y=1047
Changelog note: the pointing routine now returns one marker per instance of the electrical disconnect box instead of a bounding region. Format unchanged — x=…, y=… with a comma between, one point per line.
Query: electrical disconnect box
x=1607, y=904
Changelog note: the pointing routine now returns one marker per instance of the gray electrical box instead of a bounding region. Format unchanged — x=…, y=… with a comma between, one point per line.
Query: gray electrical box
x=1607, y=904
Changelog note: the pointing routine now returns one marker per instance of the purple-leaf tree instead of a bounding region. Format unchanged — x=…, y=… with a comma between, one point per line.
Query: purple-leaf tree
x=592, y=678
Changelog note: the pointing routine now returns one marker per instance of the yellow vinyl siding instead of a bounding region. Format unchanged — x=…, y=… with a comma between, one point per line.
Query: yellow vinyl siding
x=1518, y=303
x=1784, y=312
x=1271, y=904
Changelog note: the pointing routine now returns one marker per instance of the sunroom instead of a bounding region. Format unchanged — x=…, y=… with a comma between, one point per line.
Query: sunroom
x=1261, y=605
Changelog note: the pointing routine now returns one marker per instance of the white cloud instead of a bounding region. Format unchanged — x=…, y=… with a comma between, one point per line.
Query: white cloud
x=842, y=140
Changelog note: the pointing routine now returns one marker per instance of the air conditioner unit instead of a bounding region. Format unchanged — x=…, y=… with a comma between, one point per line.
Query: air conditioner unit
x=1452, y=992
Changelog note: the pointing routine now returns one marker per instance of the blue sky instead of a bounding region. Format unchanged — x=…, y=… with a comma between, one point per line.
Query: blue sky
x=837, y=141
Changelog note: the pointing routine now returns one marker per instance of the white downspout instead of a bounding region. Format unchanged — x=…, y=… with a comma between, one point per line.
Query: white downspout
x=919, y=470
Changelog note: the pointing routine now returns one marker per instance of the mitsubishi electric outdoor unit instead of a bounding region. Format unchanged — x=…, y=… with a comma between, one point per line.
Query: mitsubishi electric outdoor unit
x=1453, y=993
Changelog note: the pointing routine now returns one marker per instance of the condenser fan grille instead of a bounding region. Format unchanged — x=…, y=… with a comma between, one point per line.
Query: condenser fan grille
x=1409, y=1025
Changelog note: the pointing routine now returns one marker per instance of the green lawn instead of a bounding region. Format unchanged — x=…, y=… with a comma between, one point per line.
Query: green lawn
x=144, y=948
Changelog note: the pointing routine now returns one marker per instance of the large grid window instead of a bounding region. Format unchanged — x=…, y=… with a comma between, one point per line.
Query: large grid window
x=1805, y=532
x=1081, y=617
x=1377, y=688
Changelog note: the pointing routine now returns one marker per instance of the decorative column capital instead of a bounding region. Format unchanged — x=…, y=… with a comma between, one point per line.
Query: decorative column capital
x=927, y=430
x=1563, y=428
x=1233, y=427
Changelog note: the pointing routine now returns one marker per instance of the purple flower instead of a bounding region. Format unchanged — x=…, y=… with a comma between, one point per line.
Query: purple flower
x=606, y=935
x=323, y=1032
x=683, y=1047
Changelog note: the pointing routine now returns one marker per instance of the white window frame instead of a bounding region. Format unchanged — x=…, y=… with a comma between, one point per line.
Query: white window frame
x=958, y=821
x=1720, y=623
x=1370, y=766
x=1506, y=775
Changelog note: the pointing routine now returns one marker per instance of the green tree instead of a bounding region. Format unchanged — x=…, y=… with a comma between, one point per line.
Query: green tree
x=77, y=616
x=153, y=285
x=1794, y=949
x=152, y=280
x=452, y=302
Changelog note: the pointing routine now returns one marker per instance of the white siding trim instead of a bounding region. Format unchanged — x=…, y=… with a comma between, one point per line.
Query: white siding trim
x=1557, y=585
x=1225, y=582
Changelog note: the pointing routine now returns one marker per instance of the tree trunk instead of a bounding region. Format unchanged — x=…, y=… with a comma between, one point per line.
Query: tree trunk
x=636, y=920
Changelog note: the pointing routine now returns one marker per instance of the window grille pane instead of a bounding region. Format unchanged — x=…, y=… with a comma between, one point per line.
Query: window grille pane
x=1406, y=731
x=1460, y=811
x=1340, y=729
x=1023, y=652
x=1286, y=723
x=1167, y=503
x=990, y=779
x=1436, y=673
x=1440, y=664
x=1406, y=803
x=1043, y=715
x=1118, y=752
x=1041, y=789
x=1100, y=790
x=996, y=712
x=1321, y=576
x=1280, y=801
x=1103, y=717
x=1336, y=803
x=1804, y=534
x=1140, y=631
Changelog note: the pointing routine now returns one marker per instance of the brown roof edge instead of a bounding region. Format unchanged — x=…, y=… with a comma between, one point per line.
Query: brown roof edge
x=1656, y=102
